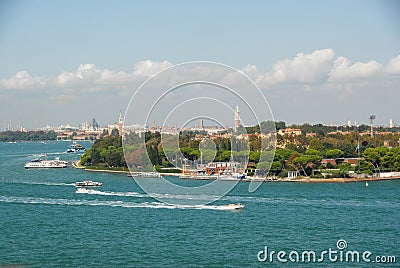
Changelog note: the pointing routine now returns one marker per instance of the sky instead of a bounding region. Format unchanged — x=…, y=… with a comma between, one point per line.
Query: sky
x=315, y=61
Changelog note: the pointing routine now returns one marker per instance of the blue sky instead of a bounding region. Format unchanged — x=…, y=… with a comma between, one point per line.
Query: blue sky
x=48, y=38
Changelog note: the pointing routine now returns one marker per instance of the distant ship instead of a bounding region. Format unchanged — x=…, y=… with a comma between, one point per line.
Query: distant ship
x=148, y=175
x=76, y=148
x=233, y=176
x=39, y=163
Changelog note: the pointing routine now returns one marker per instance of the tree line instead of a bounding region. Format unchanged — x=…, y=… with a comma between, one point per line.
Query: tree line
x=303, y=153
x=105, y=152
x=11, y=136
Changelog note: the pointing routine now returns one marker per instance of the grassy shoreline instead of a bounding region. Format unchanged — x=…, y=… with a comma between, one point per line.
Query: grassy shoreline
x=339, y=180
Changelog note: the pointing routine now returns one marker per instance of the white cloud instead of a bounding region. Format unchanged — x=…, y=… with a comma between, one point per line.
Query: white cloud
x=88, y=72
x=343, y=70
x=252, y=72
x=304, y=68
x=23, y=80
x=66, y=78
x=317, y=70
x=393, y=66
x=148, y=67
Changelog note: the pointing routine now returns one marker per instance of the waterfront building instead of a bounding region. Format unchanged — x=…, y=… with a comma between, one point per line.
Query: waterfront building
x=290, y=131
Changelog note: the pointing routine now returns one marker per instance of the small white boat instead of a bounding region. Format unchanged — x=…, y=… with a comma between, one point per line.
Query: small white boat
x=366, y=184
x=87, y=183
x=76, y=148
x=235, y=206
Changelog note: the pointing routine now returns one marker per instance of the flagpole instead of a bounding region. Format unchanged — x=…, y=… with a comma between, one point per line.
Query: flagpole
x=358, y=151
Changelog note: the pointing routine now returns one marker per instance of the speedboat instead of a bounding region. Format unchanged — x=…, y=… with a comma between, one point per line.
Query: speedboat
x=76, y=148
x=87, y=183
x=235, y=206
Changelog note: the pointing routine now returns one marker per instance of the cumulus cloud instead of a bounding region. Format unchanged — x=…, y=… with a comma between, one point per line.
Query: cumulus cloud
x=305, y=71
x=393, y=66
x=23, y=80
x=323, y=69
x=343, y=70
x=304, y=68
x=148, y=67
x=86, y=78
x=87, y=71
x=252, y=72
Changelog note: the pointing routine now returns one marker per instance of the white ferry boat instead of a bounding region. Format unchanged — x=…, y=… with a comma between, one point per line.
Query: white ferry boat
x=76, y=148
x=39, y=163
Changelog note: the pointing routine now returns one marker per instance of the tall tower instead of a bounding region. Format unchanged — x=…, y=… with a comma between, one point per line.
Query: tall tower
x=391, y=124
x=201, y=124
x=120, y=123
x=237, y=117
x=371, y=119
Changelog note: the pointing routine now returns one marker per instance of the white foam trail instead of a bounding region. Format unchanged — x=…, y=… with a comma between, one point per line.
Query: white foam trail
x=52, y=183
x=76, y=202
x=135, y=194
x=41, y=183
x=97, y=192
x=236, y=199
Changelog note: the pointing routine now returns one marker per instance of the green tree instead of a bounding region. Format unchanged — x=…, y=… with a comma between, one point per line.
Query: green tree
x=316, y=144
x=334, y=153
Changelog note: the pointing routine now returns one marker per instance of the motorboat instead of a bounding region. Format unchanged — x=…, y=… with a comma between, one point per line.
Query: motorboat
x=87, y=183
x=235, y=206
x=76, y=148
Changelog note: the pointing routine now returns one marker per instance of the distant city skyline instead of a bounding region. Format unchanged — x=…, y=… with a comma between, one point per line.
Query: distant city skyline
x=316, y=62
x=8, y=125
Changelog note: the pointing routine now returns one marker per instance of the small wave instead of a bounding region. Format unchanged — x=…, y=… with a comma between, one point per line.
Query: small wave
x=56, y=153
x=16, y=155
x=77, y=202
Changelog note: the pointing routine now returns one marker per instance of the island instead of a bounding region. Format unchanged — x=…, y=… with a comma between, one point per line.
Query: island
x=304, y=153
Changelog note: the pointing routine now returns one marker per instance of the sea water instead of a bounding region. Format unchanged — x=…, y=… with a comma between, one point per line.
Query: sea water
x=44, y=222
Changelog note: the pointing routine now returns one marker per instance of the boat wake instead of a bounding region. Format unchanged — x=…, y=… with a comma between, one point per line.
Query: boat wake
x=40, y=183
x=154, y=195
x=181, y=197
x=97, y=192
x=108, y=203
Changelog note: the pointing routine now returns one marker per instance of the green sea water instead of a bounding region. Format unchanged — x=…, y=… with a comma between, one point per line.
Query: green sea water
x=44, y=222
